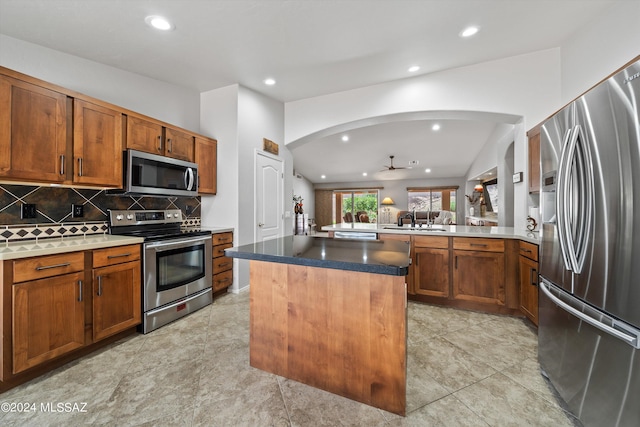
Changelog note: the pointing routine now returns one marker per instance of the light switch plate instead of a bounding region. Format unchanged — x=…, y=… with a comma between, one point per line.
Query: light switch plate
x=517, y=177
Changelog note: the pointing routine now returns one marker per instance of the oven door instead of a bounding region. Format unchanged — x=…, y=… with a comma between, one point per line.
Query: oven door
x=175, y=269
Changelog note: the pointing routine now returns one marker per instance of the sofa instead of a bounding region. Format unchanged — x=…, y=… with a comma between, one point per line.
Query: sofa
x=422, y=217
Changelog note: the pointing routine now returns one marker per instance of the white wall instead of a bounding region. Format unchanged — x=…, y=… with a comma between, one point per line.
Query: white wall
x=170, y=103
x=600, y=48
x=524, y=85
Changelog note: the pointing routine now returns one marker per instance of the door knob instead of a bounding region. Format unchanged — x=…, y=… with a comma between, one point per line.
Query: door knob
x=260, y=224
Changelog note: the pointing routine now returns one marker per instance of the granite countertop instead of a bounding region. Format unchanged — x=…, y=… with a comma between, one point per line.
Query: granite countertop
x=52, y=246
x=440, y=230
x=215, y=230
x=373, y=256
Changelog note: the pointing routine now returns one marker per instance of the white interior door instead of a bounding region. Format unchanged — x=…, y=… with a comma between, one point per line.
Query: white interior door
x=269, y=193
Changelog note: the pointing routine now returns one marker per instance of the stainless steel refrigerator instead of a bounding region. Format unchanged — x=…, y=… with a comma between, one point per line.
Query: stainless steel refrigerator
x=589, y=314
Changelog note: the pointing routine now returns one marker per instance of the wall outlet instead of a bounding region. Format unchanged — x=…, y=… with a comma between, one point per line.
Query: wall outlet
x=77, y=211
x=28, y=211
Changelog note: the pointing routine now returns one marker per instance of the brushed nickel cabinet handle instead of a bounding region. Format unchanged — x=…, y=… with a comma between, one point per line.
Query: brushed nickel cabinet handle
x=62, y=164
x=159, y=143
x=118, y=256
x=79, y=166
x=99, y=286
x=79, y=290
x=482, y=245
x=46, y=267
x=169, y=145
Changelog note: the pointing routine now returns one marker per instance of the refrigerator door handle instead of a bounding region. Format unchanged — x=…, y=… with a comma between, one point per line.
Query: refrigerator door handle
x=561, y=193
x=586, y=197
x=632, y=338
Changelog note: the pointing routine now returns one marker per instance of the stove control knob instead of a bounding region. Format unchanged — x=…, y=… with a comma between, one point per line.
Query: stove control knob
x=119, y=217
x=129, y=217
x=176, y=215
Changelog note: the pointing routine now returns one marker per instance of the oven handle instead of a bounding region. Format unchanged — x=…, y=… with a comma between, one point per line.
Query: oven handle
x=172, y=244
x=177, y=303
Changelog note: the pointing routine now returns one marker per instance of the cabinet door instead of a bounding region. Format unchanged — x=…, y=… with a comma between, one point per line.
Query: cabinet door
x=116, y=299
x=143, y=135
x=97, y=145
x=179, y=145
x=48, y=319
x=534, y=162
x=33, y=132
x=431, y=272
x=207, y=160
x=479, y=276
x=529, y=288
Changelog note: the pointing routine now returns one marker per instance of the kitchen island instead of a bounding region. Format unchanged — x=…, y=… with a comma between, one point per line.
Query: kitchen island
x=331, y=314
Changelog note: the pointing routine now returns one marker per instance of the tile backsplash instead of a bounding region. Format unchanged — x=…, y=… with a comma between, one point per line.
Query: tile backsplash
x=53, y=210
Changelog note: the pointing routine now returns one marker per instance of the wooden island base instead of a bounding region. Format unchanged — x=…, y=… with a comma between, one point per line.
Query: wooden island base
x=340, y=331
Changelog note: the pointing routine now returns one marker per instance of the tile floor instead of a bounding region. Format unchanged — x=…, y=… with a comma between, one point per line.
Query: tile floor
x=464, y=369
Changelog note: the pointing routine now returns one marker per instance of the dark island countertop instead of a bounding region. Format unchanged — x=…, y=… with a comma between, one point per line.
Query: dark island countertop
x=368, y=256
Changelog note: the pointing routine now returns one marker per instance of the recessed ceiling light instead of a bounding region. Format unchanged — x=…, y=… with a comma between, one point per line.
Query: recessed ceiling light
x=469, y=31
x=427, y=170
x=345, y=138
x=435, y=127
x=413, y=68
x=364, y=174
x=158, y=22
x=269, y=81
x=323, y=176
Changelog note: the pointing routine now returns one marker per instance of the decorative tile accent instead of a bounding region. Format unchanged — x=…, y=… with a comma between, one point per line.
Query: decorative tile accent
x=53, y=206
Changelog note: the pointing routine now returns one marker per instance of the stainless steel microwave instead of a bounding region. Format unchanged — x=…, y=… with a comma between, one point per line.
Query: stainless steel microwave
x=151, y=174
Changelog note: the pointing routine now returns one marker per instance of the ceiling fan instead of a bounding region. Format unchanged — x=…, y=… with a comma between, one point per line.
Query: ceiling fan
x=391, y=167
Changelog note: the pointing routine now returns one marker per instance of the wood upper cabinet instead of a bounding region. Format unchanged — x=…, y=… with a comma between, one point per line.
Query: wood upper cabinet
x=97, y=145
x=33, y=132
x=206, y=153
x=479, y=273
x=534, y=160
x=179, y=145
x=152, y=137
x=116, y=290
x=528, y=268
x=48, y=319
x=144, y=135
x=431, y=271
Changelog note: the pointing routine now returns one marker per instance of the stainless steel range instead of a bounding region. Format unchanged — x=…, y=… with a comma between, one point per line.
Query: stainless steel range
x=176, y=264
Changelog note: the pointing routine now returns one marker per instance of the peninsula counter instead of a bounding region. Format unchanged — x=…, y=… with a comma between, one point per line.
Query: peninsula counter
x=331, y=314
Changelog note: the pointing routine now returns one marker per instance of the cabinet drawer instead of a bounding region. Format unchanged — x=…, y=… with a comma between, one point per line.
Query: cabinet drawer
x=117, y=255
x=222, y=238
x=218, y=250
x=221, y=264
x=222, y=280
x=529, y=250
x=47, y=266
x=439, y=242
x=478, y=244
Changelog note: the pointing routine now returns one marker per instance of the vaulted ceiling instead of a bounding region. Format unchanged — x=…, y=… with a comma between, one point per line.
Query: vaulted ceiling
x=310, y=47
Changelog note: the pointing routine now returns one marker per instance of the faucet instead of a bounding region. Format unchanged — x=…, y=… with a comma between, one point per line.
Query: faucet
x=409, y=215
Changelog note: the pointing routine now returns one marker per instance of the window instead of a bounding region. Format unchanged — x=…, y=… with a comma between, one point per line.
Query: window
x=355, y=206
x=433, y=199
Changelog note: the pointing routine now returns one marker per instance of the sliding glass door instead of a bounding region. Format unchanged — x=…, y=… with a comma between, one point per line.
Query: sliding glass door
x=352, y=206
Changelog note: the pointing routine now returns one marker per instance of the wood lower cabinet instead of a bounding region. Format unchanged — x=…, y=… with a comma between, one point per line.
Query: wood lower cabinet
x=479, y=270
x=222, y=265
x=48, y=319
x=528, y=273
x=116, y=290
x=404, y=238
x=206, y=152
x=97, y=145
x=431, y=266
x=57, y=307
x=33, y=132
